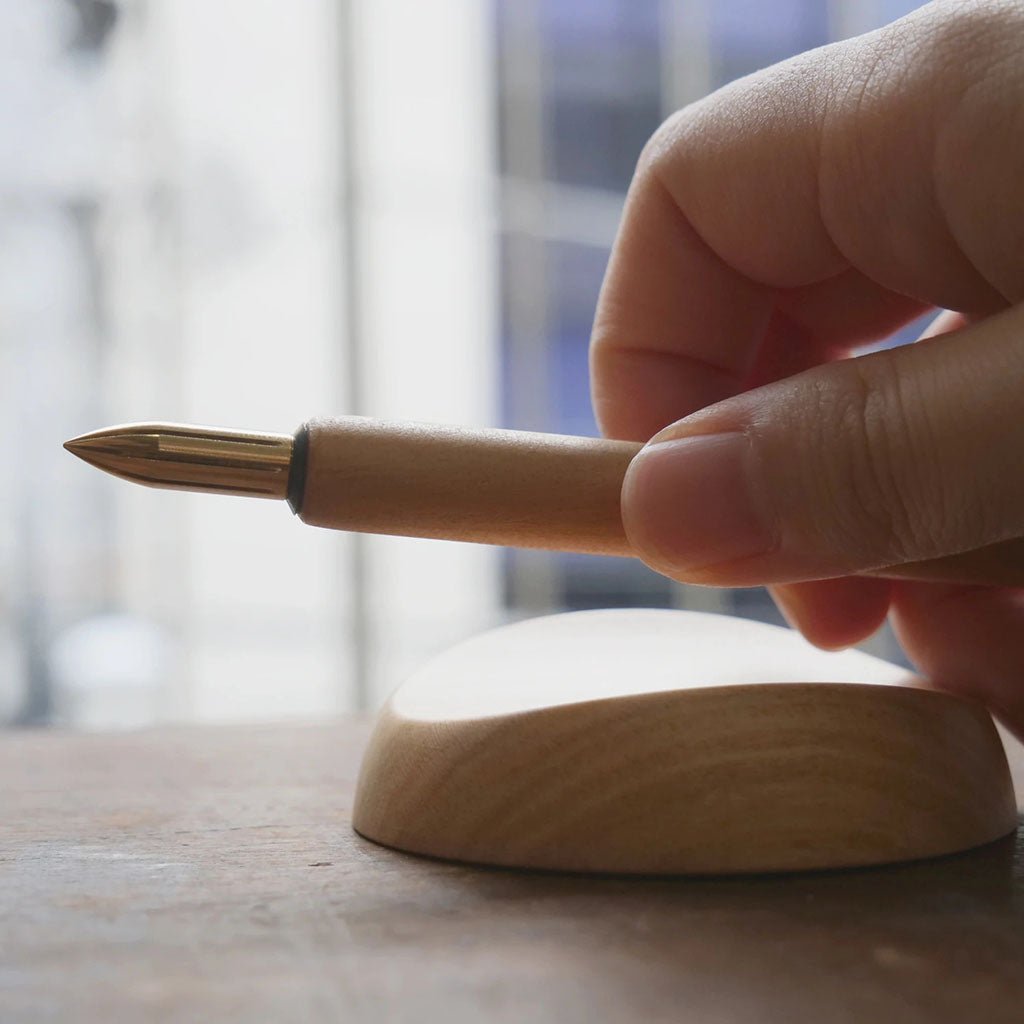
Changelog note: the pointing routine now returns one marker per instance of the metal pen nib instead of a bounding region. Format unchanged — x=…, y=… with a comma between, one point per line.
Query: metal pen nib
x=188, y=458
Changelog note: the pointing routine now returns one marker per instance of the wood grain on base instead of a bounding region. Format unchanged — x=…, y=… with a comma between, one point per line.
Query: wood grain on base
x=674, y=742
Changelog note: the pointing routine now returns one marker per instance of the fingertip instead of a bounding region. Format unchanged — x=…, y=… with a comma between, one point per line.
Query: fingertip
x=836, y=613
x=966, y=640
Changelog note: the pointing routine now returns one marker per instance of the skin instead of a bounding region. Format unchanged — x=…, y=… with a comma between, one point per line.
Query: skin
x=772, y=230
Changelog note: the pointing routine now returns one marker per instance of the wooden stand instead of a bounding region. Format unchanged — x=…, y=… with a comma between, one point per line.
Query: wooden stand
x=675, y=742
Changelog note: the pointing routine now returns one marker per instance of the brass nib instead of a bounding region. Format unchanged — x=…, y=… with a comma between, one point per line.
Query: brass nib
x=188, y=458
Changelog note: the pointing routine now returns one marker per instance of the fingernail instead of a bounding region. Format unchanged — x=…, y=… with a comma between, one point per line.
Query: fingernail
x=695, y=502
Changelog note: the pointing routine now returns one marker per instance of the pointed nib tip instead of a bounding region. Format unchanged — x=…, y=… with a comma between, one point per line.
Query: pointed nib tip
x=86, y=446
x=81, y=449
x=80, y=446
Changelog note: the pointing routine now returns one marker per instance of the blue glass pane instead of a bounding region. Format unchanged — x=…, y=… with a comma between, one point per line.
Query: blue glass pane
x=750, y=34
x=601, y=81
x=591, y=582
x=576, y=275
x=890, y=10
x=571, y=283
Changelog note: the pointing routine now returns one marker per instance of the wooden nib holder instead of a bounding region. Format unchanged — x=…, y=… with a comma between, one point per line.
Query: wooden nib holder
x=661, y=742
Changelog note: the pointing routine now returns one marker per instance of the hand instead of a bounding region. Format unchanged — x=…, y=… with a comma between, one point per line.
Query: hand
x=771, y=230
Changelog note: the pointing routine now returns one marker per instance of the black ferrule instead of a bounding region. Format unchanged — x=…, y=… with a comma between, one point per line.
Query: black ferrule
x=297, y=470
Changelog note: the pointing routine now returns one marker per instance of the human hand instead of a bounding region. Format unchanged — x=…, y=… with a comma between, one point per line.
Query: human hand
x=771, y=230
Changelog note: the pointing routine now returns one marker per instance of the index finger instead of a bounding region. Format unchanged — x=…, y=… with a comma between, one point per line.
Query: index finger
x=795, y=207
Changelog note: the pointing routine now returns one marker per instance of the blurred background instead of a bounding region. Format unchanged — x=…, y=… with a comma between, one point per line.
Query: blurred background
x=246, y=213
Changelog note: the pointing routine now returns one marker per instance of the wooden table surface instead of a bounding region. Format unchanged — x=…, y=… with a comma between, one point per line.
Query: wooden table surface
x=211, y=875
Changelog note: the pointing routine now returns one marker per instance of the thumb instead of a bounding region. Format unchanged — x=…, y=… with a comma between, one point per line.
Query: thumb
x=900, y=456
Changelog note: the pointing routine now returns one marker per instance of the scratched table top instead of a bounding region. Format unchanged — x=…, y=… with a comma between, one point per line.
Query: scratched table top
x=211, y=874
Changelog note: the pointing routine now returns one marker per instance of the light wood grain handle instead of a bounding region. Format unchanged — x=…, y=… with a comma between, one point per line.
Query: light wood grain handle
x=516, y=489
x=502, y=487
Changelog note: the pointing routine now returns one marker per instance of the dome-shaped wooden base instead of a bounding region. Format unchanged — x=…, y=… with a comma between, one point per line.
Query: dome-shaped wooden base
x=676, y=742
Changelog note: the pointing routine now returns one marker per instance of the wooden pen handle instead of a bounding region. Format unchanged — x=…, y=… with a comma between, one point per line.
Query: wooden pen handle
x=505, y=487
x=516, y=489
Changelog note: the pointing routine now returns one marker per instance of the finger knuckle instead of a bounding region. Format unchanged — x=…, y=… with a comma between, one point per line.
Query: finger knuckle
x=879, y=481
x=664, y=147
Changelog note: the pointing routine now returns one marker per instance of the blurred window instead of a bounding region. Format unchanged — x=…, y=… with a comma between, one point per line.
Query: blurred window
x=581, y=87
x=250, y=213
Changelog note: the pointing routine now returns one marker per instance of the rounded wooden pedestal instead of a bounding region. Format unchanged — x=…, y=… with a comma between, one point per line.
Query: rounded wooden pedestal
x=676, y=742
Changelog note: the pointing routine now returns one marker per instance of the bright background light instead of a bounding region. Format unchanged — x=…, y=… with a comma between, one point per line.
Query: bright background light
x=248, y=213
